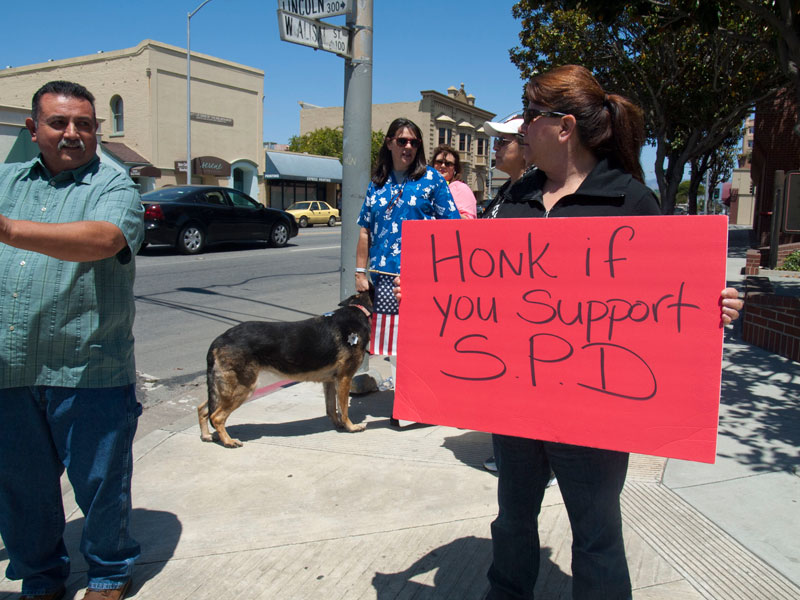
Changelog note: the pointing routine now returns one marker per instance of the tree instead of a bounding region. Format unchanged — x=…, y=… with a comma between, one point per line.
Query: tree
x=694, y=88
x=328, y=141
x=718, y=165
x=323, y=142
x=682, y=196
x=778, y=19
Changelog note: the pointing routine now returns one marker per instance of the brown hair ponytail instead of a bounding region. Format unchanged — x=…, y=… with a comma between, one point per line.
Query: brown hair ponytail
x=609, y=125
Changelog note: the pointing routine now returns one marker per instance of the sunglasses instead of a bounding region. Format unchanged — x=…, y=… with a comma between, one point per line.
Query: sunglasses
x=444, y=163
x=500, y=142
x=404, y=141
x=531, y=114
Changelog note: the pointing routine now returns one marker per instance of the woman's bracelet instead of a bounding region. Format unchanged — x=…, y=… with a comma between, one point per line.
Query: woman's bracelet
x=362, y=270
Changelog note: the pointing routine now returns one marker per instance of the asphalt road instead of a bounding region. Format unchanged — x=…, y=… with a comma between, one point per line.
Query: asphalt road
x=184, y=302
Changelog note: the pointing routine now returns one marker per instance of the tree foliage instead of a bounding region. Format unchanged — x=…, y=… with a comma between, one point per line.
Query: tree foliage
x=694, y=88
x=328, y=141
x=777, y=21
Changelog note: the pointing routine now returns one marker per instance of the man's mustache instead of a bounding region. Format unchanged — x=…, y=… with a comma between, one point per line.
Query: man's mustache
x=71, y=144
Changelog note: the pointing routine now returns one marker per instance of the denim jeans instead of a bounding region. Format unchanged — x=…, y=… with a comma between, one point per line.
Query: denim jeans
x=590, y=481
x=90, y=433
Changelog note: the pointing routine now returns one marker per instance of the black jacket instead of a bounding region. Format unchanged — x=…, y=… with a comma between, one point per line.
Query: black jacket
x=606, y=192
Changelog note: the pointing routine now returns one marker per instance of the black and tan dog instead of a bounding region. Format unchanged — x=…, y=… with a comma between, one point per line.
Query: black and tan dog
x=328, y=349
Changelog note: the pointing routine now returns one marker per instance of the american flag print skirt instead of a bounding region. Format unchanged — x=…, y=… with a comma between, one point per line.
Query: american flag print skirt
x=383, y=337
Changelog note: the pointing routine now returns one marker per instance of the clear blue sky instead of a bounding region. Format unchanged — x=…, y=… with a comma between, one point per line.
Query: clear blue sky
x=418, y=45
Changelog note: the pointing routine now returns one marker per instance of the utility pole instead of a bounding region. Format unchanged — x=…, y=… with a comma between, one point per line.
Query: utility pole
x=357, y=134
x=189, y=92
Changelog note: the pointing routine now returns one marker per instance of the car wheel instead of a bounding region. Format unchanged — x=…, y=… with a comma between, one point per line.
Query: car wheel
x=303, y=222
x=191, y=240
x=279, y=236
x=332, y=221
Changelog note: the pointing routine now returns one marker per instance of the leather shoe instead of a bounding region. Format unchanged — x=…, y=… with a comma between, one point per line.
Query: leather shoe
x=57, y=595
x=115, y=594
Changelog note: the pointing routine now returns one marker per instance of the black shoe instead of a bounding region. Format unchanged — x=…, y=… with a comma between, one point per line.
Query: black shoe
x=394, y=422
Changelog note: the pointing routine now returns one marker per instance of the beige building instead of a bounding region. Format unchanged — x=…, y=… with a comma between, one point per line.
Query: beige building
x=742, y=206
x=140, y=95
x=450, y=118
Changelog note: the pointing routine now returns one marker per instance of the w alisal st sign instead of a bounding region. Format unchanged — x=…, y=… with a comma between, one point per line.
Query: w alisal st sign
x=298, y=23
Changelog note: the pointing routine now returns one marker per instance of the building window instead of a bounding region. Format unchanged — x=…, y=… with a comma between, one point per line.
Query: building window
x=749, y=143
x=464, y=142
x=283, y=194
x=481, y=150
x=445, y=136
x=117, y=114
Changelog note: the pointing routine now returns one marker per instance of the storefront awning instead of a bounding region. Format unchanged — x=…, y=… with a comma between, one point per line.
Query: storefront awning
x=145, y=171
x=302, y=167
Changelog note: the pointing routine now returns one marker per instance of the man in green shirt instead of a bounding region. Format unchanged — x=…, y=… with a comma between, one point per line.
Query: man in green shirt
x=69, y=229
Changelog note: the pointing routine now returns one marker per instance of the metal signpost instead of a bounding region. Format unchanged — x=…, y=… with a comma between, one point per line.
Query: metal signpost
x=299, y=23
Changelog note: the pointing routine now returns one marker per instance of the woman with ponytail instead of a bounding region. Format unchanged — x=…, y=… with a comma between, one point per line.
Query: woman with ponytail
x=585, y=143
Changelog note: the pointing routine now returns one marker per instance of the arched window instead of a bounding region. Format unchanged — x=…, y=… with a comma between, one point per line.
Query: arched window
x=117, y=114
x=238, y=179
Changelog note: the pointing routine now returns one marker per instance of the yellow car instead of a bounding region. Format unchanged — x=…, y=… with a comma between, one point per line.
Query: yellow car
x=313, y=212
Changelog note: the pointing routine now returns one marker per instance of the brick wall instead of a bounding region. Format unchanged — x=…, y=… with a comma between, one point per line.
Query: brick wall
x=759, y=257
x=775, y=147
x=770, y=321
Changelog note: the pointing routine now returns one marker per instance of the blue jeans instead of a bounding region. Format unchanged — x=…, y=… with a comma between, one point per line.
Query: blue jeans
x=90, y=432
x=590, y=481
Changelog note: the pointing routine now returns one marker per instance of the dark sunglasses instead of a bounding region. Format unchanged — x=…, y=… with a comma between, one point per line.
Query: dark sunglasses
x=500, y=142
x=404, y=141
x=444, y=163
x=531, y=114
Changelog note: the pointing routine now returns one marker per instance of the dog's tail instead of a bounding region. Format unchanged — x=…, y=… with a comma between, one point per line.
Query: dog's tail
x=212, y=387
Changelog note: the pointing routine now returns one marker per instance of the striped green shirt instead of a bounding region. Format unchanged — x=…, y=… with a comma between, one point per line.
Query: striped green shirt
x=68, y=324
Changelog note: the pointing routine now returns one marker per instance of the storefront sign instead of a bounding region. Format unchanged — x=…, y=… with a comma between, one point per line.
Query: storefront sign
x=204, y=118
x=205, y=165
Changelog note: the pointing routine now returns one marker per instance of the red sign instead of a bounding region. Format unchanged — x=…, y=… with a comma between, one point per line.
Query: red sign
x=600, y=332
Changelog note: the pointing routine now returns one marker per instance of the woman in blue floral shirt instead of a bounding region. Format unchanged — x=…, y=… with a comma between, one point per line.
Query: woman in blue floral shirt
x=403, y=188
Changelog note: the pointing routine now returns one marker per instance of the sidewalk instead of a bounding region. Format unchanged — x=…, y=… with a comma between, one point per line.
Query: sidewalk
x=302, y=511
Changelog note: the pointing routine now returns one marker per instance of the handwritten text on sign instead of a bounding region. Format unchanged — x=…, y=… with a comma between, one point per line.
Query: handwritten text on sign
x=602, y=332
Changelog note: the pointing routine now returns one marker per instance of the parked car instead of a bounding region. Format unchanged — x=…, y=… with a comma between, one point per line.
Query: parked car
x=313, y=212
x=190, y=217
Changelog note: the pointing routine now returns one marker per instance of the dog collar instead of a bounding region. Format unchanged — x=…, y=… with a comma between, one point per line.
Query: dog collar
x=364, y=310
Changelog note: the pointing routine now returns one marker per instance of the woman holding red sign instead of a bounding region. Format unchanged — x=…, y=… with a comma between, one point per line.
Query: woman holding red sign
x=586, y=146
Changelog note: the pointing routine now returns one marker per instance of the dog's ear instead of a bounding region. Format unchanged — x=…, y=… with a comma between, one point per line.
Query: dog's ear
x=361, y=298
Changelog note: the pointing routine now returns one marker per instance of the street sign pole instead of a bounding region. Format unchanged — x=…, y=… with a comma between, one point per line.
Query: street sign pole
x=299, y=23
x=357, y=134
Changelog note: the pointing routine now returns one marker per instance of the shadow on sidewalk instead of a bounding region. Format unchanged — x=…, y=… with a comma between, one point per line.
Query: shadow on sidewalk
x=461, y=567
x=376, y=404
x=760, y=408
x=157, y=532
